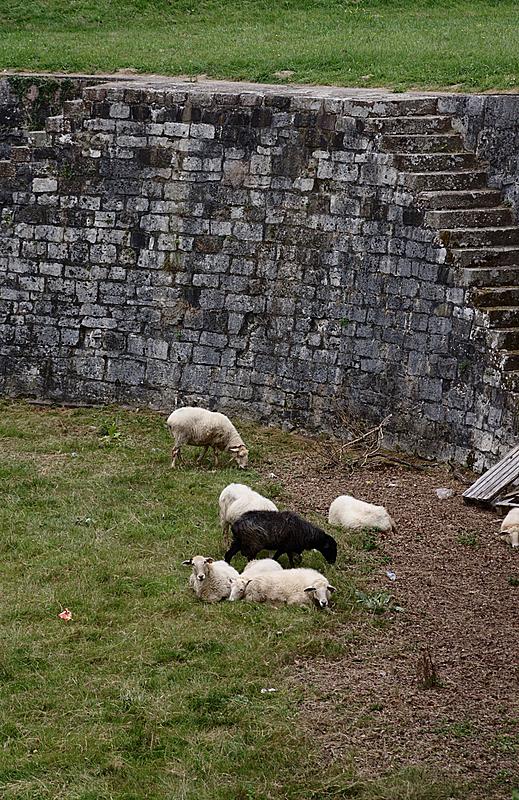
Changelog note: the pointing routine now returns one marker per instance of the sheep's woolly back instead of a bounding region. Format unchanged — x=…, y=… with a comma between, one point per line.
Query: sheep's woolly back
x=287, y=586
x=261, y=565
x=280, y=531
x=348, y=512
x=198, y=426
x=237, y=498
x=249, y=502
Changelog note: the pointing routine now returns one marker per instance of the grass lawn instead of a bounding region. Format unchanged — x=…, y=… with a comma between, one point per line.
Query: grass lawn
x=468, y=44
x=146, y=693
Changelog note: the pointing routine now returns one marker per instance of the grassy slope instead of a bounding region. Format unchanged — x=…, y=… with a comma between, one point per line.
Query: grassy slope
x=147, y=693
x=472, y=44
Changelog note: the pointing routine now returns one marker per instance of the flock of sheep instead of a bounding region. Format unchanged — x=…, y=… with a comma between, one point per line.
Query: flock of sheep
x=256, y=525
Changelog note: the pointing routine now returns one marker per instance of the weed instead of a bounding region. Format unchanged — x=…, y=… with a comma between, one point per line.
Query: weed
x=513, y=580
x=426, y=671
x=369, y=541
x=109, y=431
x=377, y=602
x=468, y=539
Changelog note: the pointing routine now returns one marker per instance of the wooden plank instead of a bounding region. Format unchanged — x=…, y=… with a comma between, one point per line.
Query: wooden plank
x=496, y=479
x=500, y=472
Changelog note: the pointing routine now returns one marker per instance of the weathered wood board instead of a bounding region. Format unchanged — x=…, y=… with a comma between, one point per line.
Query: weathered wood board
x=495, y=480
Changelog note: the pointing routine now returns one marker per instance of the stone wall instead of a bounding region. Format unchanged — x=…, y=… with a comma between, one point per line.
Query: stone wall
x=245, y=248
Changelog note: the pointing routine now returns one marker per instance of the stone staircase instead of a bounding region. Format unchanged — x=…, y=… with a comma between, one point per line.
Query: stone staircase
x=476, y=227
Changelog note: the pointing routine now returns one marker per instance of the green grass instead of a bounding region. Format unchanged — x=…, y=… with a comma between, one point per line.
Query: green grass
x=469, y=44
x=147, y=693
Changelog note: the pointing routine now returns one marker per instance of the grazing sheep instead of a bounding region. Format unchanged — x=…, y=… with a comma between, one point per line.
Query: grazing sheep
x=210, y=580
x=348, y=512
x=282, y=531
x=261, y=567
x=510, y=528
x=300, y=587
x=236, y=499
x=190, y=425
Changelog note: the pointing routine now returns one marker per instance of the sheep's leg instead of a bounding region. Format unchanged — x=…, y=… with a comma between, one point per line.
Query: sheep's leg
x=291, y=559
x=175, y=453
x=215, y=453
x=278, y=554
x=202, y=454
x=225, y=531
x=231, y=552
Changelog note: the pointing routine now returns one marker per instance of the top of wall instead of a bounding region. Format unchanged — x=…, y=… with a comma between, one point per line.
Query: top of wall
x=194, y=84
x=172, y=83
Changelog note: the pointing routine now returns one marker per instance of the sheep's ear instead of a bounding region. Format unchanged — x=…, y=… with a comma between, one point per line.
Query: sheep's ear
x=209, y=560
x=233, y=449
x=310, y=589
x=331, y=588
x=188, y=563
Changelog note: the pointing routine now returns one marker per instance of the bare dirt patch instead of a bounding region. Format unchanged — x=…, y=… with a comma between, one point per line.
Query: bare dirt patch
x=455, y=580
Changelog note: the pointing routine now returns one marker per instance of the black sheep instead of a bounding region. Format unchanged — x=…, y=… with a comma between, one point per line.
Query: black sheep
x=282, y=531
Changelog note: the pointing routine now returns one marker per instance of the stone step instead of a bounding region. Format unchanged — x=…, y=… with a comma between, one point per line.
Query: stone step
x=484, y=256
x=470, y=218
x=481, y=276
x=510, y=361
x=480, y=237
x=408, y=125
x=429, y=181
x=37, y=138
x=401, y=107
x=505, y=338
x=502, y=316
x=422, y=143
x=496, y=296
x=74, y=108
x=435, y=162
x=467, y=198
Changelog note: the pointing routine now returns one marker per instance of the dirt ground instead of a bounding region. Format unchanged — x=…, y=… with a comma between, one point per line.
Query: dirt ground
x=457, y=583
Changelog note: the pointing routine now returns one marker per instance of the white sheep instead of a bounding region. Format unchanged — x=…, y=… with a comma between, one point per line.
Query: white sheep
x=510, y=528
x=300, y=587
x=348, y=512
x=198, y=426
x=210, y=580
x=236, y=499
x=257, y=567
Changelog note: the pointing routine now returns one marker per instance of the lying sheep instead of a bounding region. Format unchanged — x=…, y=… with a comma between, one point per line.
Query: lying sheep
x=198, y=426
x=300, y=587
x=282, y=531
x=252, y=570
x=510, y=528
x=236, y=499
x=348, y=512
x=210, y=580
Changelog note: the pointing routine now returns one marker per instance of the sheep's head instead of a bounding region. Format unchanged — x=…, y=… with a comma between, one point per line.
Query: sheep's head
x=328, y=548
x=511, y=536
x=238, y=588
x=321, y=593
x=201, y=566
x=240, y=455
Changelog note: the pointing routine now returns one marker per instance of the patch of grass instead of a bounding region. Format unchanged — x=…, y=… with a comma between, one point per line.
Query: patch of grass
x=468, y=45
x=513, y=580
x=145, y=686
x=468, y=539
x=464, y=729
